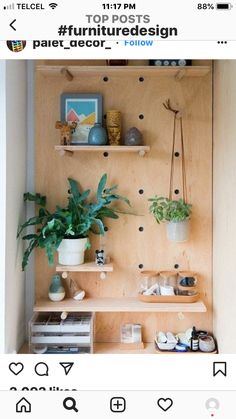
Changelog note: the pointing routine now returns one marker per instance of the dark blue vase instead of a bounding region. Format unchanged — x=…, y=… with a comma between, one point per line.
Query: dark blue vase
x=97, y=135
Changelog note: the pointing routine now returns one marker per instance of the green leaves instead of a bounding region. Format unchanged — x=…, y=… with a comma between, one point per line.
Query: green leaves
x=37, y=198
x=74, y=189
x=101, y=186
x=75, y=220
x=165, y=209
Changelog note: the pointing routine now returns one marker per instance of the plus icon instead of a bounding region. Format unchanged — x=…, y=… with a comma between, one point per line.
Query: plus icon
x=117, y=404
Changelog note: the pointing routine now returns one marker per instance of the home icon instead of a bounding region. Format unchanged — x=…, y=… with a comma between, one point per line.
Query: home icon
x=23, y=406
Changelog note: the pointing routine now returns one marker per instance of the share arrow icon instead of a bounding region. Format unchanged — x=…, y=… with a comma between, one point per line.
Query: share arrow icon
x=67, y=366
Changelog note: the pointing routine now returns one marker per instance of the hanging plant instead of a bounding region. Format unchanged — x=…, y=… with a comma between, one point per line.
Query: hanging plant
x=175, y=212
x=164, y=209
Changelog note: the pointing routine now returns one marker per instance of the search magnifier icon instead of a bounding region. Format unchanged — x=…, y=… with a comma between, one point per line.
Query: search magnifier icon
x=69, y=403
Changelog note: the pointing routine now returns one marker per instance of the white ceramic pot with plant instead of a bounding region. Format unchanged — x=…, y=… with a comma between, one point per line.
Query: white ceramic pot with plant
x=176, y=214
x=67, y=229
x=71, y=251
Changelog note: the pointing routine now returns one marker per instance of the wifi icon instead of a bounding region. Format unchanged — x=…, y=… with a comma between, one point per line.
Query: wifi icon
x=53, y=5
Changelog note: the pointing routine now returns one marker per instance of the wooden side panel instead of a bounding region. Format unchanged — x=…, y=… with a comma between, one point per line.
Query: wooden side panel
x=224, y=203
x=127, y=246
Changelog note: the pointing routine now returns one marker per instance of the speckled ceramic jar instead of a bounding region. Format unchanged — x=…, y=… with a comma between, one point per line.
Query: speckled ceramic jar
x=97, y=135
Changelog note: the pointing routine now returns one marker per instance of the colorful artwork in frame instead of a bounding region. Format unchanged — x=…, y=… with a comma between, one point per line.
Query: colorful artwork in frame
x=83, y=108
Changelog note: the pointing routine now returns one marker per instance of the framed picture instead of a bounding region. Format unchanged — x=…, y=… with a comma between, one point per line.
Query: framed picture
x=83, y=108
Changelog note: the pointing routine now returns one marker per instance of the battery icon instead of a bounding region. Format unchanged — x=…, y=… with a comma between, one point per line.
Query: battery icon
x=224, y=6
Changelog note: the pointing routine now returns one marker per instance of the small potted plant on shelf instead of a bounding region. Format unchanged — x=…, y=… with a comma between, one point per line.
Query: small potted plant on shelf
x=66, y=229
x=175, y=213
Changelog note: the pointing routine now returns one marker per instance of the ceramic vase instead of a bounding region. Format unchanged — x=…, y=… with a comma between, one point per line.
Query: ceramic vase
x=113, y=121
x=97, y=135
x=71, y=251
x=56, y=289
x=134, y=137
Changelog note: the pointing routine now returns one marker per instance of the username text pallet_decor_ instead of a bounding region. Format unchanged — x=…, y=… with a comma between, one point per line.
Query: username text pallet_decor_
x=136, y=243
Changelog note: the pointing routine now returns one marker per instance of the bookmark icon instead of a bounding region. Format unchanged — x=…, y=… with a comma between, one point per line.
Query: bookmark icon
x=66, y=366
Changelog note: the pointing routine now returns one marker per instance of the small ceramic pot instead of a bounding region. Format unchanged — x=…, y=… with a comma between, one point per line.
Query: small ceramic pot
x=178, y=231
x=206, y=343
x=134, y=137
x=56, y=289
x=97, y=135
x=71, y=251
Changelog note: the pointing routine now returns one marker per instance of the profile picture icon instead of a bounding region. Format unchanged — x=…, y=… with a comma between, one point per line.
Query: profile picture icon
x=16, y=46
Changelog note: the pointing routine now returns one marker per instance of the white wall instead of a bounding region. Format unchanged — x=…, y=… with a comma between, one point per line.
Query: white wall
x=2, y=202
x=15, y=138
x=30, y=186
x=224, y=261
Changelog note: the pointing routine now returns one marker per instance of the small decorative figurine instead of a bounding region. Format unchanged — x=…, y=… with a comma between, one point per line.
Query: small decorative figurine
x=100, y=257
x=66, y=131
x=77, y=293
x=56, y=289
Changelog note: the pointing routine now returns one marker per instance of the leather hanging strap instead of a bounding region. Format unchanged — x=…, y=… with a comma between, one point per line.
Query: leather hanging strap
x=177, y=116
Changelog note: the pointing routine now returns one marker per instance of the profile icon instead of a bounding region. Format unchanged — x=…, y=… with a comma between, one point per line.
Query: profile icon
x=16, y=46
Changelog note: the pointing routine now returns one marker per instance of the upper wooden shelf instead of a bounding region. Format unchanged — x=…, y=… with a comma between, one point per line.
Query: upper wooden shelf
x=136, y=71
x=141, y=150
x=127, y=305
x=85, y=267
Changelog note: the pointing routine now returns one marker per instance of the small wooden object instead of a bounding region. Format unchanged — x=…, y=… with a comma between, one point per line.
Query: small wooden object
x=66, y=130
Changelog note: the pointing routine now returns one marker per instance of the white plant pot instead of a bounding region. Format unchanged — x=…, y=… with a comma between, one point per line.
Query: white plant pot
x=178, y=231
x=71, y=251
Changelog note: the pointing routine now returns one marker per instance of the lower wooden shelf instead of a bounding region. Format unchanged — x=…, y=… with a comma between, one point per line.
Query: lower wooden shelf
x=117, y=305
x=114, y=348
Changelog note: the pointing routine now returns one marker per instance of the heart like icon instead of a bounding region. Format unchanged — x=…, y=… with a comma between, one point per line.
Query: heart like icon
x=16, y=368
x=165, y=404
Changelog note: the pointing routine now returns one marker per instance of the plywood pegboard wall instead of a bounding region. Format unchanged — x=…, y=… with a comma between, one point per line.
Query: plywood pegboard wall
x=128, y=247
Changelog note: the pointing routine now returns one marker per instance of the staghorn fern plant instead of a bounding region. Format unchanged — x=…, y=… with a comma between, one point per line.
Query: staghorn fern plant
x=76, y=220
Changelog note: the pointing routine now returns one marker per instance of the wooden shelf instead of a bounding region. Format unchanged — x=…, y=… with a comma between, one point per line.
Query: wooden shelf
x=86, y=267
x=157, y=351
x=114, y=348
x=141, y=150
x=117, y=305
x=136, y=71
x=108, y=348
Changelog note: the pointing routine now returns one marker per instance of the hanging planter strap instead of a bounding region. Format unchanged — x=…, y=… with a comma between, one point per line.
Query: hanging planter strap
x=177, y=116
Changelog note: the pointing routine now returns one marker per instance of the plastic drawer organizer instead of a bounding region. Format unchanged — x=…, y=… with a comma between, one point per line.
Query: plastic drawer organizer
x=48, y=333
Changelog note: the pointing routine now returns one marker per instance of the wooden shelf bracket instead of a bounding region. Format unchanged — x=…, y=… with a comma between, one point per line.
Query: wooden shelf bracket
x=103, y=275
x=62, y=152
